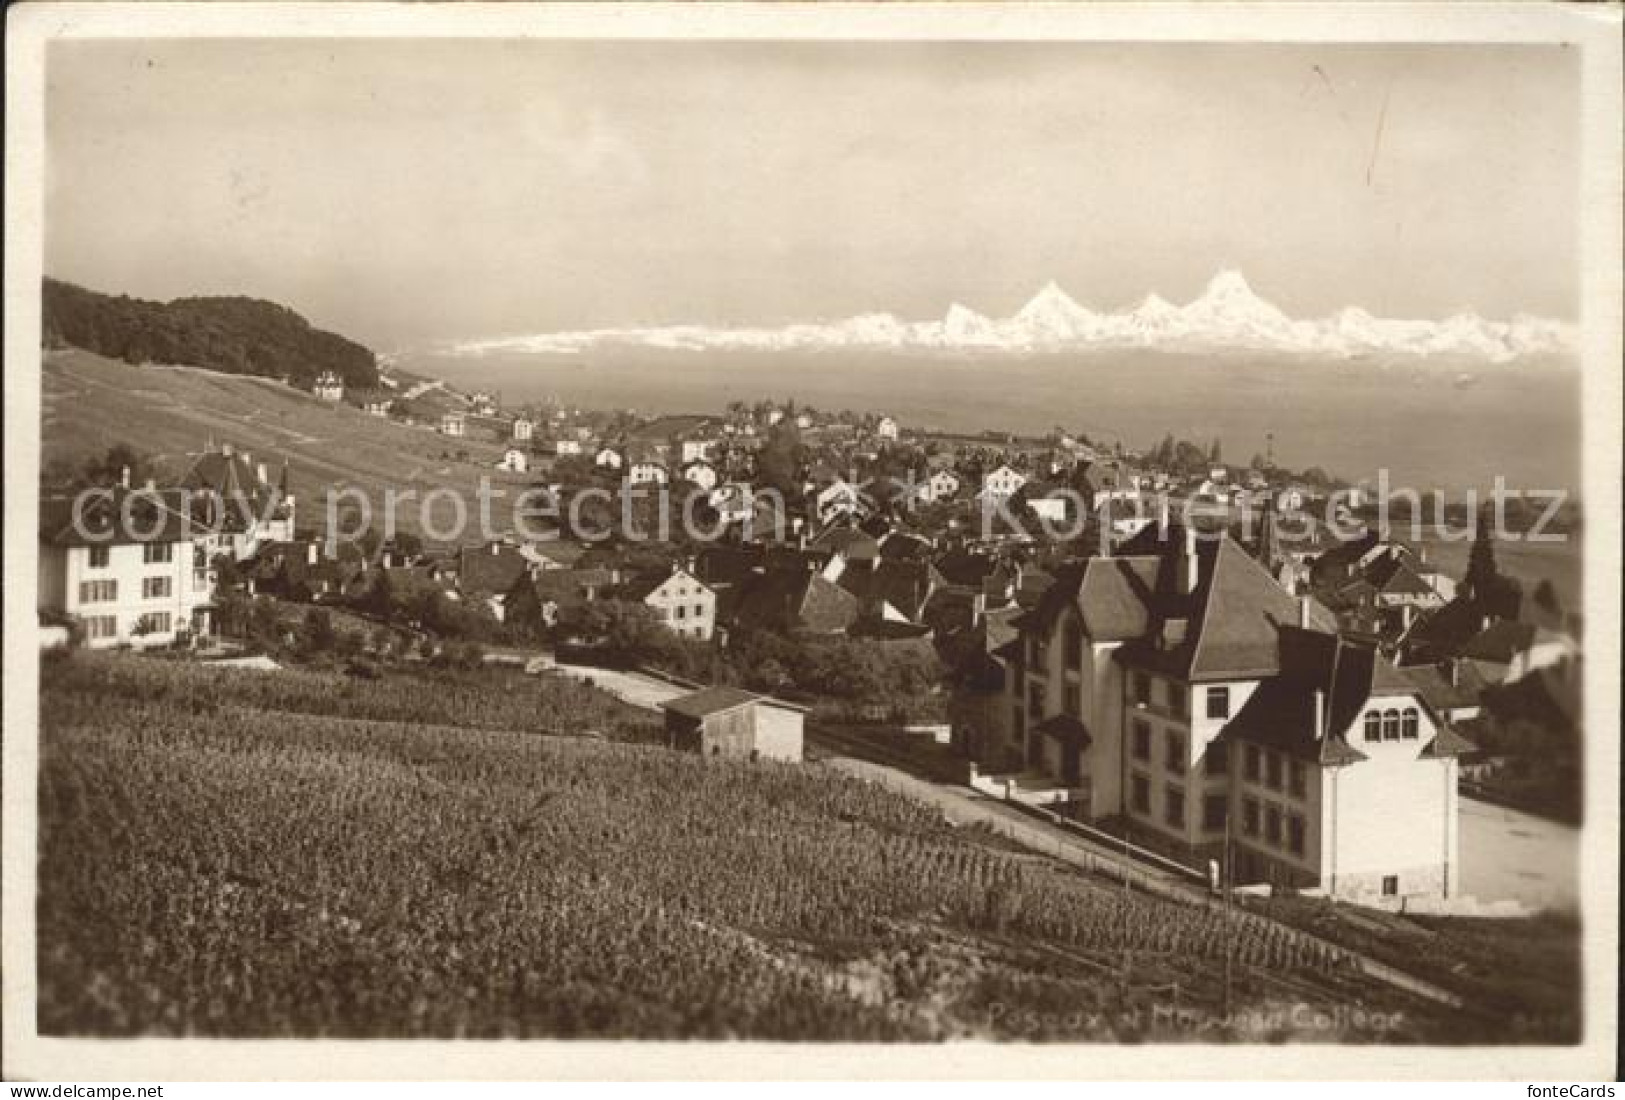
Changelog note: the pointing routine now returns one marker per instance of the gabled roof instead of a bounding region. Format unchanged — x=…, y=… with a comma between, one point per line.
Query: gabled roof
x=489, y=569
x=795, y=599
x=120, y=517
x=641, y=586
x=1231, y=618
x=712, y=700
x=1316, y=667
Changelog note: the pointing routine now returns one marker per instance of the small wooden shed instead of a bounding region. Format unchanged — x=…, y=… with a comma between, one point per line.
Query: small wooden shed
x=728, y=721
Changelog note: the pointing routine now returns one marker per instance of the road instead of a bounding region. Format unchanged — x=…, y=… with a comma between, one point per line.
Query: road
x=629, y=687
x=1511, y=856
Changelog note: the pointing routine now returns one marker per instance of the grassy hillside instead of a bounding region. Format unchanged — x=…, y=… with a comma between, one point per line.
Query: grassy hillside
x=240, y=861
x=90, y=402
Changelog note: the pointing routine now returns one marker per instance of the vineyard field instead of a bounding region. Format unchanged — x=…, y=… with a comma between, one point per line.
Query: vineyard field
x=244, y=854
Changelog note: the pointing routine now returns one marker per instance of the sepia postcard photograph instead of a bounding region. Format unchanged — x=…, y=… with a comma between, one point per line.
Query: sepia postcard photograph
x=753, y=541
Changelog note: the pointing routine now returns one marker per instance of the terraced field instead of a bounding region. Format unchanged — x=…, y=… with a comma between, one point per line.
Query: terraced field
x=228, y=853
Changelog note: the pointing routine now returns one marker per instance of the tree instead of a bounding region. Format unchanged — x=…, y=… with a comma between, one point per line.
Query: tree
x=1482, y=574
x=1215, y=453
x=779, y=460
x=317, y=634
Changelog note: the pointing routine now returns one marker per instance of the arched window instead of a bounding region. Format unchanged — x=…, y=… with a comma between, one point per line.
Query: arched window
x=1373, y=726
x=1390, y=725
x=1408, y=724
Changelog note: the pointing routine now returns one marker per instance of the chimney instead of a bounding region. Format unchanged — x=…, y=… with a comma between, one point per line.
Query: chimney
x=496, y=547
x=1106, y=530
x=124, y=477
x=1320, y=716
x=1189, y=563
x=310, y=554
x=259, y=472
x=149, y=485
x=1303, y=612
x=1162, y=516
x=389, y=559
x=225, y=449
x=1455, y=673
x=248, y=459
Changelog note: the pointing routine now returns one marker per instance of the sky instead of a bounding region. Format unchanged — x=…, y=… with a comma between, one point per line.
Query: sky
x=410, y=192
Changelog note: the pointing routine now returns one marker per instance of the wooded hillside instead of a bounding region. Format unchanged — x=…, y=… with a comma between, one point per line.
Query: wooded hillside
x=237, y=335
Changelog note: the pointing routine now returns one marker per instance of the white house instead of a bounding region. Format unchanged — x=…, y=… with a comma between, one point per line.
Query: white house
x=697, y=449
x=454, y=424
x=379, y=406
x=328, y=387
x=236, y=503
x=941, y=485
x=646, y=473
x=523, y=428
x=126, y=565
x=608, y=458
x=679, y=599
x=566, y=446
x=701, y=473
x=514, y=461
x=886, y=428
x=1178, y=685
x=734, y=501
x=838, y=498
x=1002, y=484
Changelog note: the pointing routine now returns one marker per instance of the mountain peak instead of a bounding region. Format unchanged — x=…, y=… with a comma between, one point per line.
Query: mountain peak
x=1229, y=283
x=1227, y=315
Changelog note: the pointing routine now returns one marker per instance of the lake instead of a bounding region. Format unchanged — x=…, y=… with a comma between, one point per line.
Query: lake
x=1426, y=425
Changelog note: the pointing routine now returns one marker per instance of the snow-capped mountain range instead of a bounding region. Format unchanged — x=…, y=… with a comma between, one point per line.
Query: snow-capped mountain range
x=1227, y=316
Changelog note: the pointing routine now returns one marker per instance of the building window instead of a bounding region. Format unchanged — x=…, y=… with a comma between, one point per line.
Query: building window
x=1390, y=886
x=1408, y=724
x=1218, y=702
x=1373, y=726
x=1074, y=700
x=1175, y=746
x=682, y=612
x=98, y=591
x=157, y=622
x=1272, y=825
x=1141, y=794
x=1176, y=698
x=1390, y=725
x=699, y=610
x=1272, y=770
x=157, y=588
x=1035, y=698
x=1218, y=758
x=1249, y=816
x=101, y=626
x=1215, y=808
x=1252, y=765
x=1173, y=810
x=1142, y=688
x=100, y=556
x=1142, y=740
x=1294, y=834
x=156, y=553
x=1298, y=777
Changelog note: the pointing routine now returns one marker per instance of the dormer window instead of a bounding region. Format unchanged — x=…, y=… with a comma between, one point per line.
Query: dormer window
x=1218, y=702
x=1408, y=724
x=1373, y=726
x=1390, y=725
